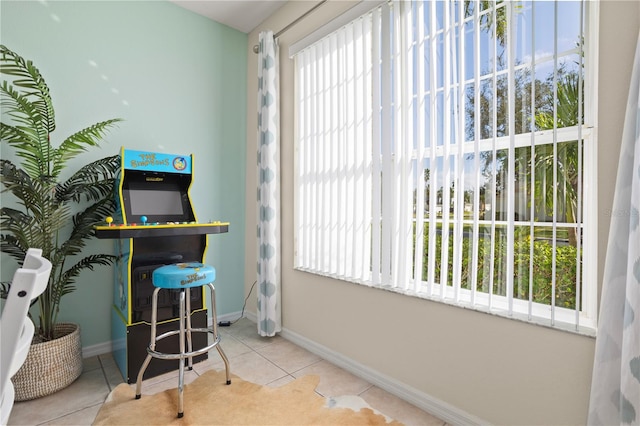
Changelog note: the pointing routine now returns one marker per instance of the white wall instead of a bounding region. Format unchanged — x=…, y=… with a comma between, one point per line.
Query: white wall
x=499, y=370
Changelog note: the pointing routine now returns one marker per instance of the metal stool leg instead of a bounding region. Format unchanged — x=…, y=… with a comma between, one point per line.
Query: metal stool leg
x=182, y=352
x=152, y=342
x=188, y=319
x=214, y=317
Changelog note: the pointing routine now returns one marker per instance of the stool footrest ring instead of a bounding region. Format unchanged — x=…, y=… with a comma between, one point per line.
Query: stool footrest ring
x=174, y=332
x=164, y=355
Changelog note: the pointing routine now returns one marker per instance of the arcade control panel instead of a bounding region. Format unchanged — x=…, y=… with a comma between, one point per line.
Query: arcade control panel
x=157, y=229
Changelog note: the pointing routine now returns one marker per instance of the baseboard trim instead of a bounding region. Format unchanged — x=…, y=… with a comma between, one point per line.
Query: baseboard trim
x=231, y=317
x=99, y=349
x=424, y=401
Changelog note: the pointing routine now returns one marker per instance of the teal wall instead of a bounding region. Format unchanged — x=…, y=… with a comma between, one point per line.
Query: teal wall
x=179, y=82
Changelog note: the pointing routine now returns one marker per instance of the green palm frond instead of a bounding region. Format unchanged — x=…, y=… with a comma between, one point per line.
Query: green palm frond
x=65, y=284
x=23, y=187
x=45, y=213
x=92, y=182
x=28, y=134
x=88, y=262
x=31, y=111
x=29, y=77
x=26, y=231
x=83, y=223
x=19, y=107
x=79, y=142
x=11, y=245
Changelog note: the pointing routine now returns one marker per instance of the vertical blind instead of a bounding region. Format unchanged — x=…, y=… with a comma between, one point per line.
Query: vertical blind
x=334, y=84
x=441, y=152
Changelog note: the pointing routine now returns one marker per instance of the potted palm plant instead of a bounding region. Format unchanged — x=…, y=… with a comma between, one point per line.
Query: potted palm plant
x=41, y=209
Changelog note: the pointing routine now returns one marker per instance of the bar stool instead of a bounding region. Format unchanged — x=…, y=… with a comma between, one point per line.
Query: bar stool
x=182, y=277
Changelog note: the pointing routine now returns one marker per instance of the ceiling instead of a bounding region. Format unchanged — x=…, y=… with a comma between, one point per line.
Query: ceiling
x=243, y=15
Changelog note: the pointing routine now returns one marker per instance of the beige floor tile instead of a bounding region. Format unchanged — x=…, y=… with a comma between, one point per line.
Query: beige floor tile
x=334, y=381
x=90, y=389
x=254, y=368
x=246, y=332
x=111, y=371
x=91, y=363
x=214, y=362
x=280, y=382
x=169, y=383
x=231, y=347
x=242, y=327
x=288, y=356
x=171, y=377
x=398, y=409
x=84, y=417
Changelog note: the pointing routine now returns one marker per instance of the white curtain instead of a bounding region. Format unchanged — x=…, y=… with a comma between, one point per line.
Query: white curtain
x=615, y=388
x=269, y=315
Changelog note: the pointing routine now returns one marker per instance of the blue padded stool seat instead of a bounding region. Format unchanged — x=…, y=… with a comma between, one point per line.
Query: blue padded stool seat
x=182, y=277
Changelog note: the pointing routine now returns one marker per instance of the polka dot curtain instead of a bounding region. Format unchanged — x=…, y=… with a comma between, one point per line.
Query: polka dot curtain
x=268, y=281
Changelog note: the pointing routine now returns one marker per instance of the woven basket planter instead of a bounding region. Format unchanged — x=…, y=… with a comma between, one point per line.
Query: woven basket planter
x=50, y=366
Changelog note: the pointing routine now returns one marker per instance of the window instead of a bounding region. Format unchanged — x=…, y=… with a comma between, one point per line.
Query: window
x=446, y=150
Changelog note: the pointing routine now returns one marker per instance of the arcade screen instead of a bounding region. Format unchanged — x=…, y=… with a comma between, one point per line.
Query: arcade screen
x=156, y=202
x=161, y=197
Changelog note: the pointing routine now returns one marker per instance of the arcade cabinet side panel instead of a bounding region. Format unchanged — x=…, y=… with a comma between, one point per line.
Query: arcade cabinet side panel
x=123, y=249
x=120, y=316
x=122, y=278
x=119, y=311
x=119, y=341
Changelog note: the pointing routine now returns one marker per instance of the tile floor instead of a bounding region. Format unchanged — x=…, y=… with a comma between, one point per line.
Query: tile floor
x=266, y=361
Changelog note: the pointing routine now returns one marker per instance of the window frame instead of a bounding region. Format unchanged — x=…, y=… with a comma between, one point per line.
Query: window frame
x=581, y=320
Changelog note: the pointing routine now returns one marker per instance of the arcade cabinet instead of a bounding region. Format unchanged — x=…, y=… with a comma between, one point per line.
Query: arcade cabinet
x=154, y=225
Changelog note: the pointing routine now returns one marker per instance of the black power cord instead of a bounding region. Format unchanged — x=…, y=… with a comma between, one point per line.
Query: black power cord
x=228, y=323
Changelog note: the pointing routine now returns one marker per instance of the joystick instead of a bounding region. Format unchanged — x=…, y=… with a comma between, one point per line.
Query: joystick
x=109, y=220
x=143, y=219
